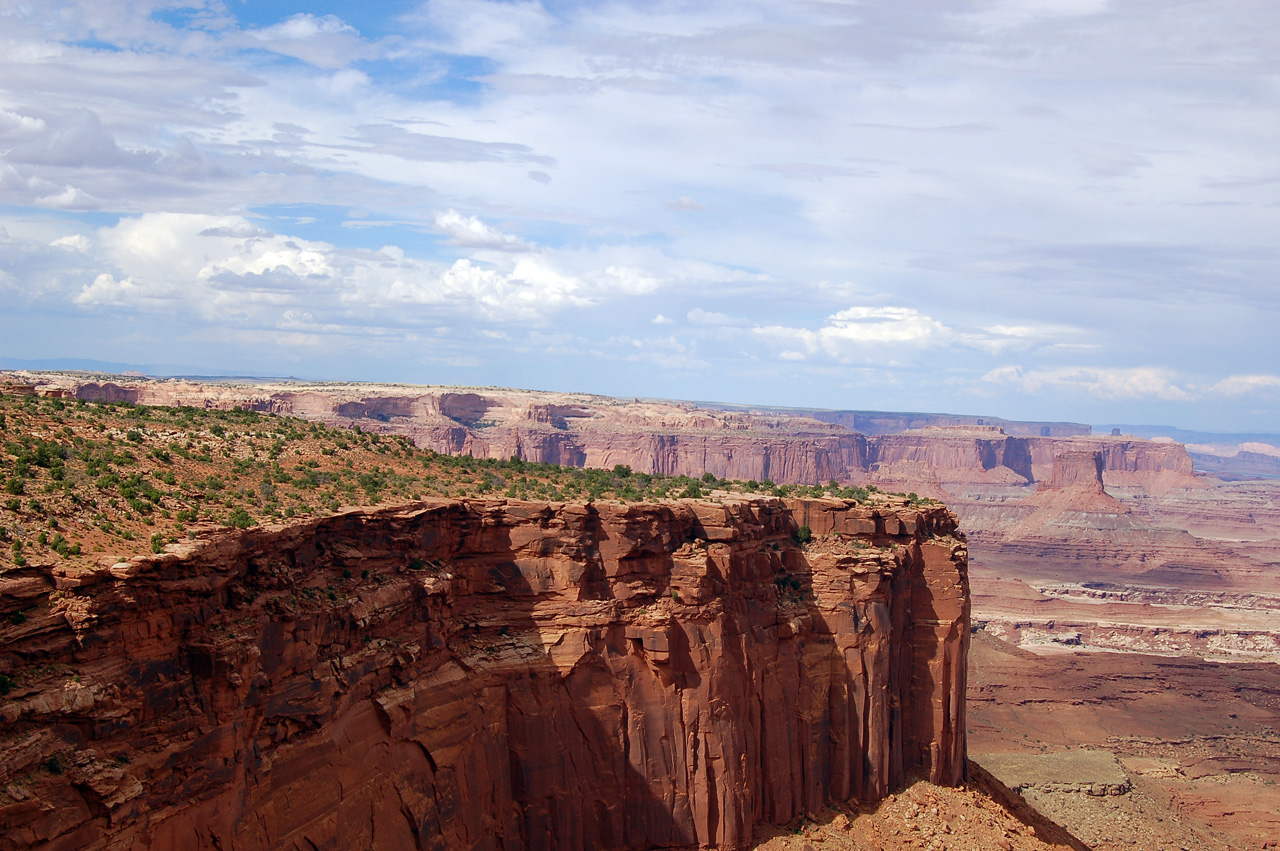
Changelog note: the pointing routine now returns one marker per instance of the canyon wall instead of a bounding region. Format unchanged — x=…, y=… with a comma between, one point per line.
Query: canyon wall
x=488, y=675
x=934, y=454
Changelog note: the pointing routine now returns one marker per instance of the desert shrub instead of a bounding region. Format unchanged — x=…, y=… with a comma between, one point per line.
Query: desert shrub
x=693, y=490
x=239, y=518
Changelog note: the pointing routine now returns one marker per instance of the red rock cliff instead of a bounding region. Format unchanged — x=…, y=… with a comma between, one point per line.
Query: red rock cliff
x=487, y=674
x=938, y=454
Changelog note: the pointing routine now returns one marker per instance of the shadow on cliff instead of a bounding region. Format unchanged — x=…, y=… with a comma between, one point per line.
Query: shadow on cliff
x=573, y=777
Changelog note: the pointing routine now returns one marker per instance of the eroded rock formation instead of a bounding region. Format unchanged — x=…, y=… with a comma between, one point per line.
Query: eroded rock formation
x=936, y=454
x=487, y=674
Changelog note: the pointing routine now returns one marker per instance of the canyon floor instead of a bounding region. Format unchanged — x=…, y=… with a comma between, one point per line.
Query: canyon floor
x=1154, y=648
x=1184, y=749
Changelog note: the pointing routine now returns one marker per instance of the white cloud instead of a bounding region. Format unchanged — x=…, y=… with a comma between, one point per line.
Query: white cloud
x=859, y=333
x=325, y=41
x=1026, y=182
x=1114, y=384
x=70, y=198
x=303, y=26
x=470, y=232
x=14, y=125
x=1242, y=385
x=106, y=290
x=75, y=242
x=227, y=267
x=662, y=320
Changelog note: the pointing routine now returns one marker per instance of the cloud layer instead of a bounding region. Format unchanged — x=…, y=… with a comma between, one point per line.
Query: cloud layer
x=1050, y=210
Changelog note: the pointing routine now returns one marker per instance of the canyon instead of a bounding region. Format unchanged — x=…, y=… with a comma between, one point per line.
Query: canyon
x=488, y=674
x=1089, y=541
x=1100, y=564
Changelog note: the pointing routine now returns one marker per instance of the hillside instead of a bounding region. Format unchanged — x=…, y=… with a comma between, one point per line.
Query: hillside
x=87, y=483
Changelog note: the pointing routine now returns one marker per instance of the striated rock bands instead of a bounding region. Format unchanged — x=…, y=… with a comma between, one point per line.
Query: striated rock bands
x=489, y=674
x=937, y=454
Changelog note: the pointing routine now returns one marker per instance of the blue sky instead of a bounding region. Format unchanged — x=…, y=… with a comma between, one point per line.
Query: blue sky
x=1049, y=210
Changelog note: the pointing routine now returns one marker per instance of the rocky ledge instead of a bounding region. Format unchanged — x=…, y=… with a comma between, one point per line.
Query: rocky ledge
x=487, y=674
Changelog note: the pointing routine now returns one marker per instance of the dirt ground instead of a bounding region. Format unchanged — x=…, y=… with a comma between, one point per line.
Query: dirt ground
x=923, y=816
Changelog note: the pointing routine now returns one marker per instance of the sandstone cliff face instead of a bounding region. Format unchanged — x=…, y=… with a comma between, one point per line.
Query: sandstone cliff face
x=1081, y=470
x=986, y=456
x=936, y=454
x=487, y=674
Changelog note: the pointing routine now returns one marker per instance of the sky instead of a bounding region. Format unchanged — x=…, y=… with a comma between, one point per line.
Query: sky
x=1056, y=210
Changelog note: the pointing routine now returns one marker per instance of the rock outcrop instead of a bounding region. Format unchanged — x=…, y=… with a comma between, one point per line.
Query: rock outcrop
x=929, y=453
x=1081, y=470
x=487, y=674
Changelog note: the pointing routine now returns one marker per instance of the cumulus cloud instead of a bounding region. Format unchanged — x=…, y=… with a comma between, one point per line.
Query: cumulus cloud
x=70, y=198
x=16, y=126
x=470, y=232
x=76, y=139
x=106, y=290
x=856, y=333
x=217, y=268
x=1066, y=207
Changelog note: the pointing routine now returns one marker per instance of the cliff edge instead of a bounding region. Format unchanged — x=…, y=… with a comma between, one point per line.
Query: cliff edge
x=488, y=674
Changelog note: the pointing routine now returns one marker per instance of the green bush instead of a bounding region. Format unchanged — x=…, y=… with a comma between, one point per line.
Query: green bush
x=803, y=535
x=239, y=518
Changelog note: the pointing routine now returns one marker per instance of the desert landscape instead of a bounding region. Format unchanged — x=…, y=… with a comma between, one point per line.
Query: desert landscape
x=1123, y=685
x=508, y=425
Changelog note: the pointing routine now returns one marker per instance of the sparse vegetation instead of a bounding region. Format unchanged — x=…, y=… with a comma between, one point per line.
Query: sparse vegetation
x=112, y=477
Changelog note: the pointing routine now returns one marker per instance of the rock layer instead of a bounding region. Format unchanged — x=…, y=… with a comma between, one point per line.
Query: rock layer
x=935, y=454
x=488, y=674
